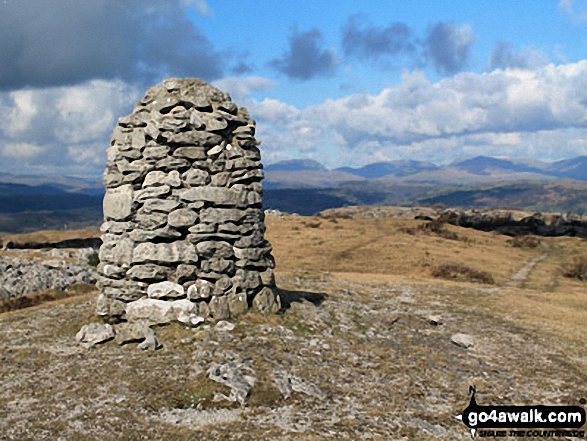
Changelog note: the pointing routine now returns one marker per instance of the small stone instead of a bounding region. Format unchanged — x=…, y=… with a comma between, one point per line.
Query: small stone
x=191, y=320
x=95, y=333
x=463, y=340
x=214, y=150
x=224, y=326
x=109, y=308
x=165, y=290
x=266, y=301
x=182, y=218
x=202, y=289
x=151, y=343
x=237, y=303
x=435, y=320
x=219, y=308
x=132, y=332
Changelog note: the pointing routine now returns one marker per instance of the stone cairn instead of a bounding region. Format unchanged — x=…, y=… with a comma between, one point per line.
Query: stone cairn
x=183, y=237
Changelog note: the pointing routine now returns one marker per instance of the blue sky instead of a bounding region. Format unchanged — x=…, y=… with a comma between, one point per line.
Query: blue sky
x=343, y=82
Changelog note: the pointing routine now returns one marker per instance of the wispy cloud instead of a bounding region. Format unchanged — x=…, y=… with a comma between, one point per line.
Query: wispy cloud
x=576, y=13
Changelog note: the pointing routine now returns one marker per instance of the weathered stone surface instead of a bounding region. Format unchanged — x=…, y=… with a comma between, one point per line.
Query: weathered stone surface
x=249, y=280
x=196, y=177
x=156, y=311
x=217, y=249
x=151, y=343
x=238, y=374
x=132, y=332
x=192, y=320
x=185, y=273
x=159, y=233
x=156, y=152
x=150, y=221
x=202, y=289
x=118, y=203
x=224, y=326
x=288, y=383
x=111, y=271
x=190, y=153
x=219, y=215
x=222, y=286
x=219, y=308
x=119, y=252
x=182, y=218
x=161, y=205
x=183, y=209
x=95, y=333
x=109, y=308
x=165, y=290
x=463, y=340
x=237, y=303
x=266, y=301
x=152, y=193
x=175, y=252
x=148, y=272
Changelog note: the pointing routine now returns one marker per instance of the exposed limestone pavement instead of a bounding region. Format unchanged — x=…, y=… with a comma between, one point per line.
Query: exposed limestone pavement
x=23, y=271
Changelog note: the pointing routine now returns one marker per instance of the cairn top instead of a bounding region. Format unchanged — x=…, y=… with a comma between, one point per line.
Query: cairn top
x=188, y=92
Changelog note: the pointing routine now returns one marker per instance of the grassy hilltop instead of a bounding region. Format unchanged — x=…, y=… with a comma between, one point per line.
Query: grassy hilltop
x=374, y=303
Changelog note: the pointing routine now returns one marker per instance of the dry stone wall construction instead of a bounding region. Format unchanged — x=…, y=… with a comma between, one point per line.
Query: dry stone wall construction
x=183, y=237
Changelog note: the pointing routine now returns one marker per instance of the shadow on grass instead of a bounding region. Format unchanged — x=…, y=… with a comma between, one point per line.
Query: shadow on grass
x=288, y=297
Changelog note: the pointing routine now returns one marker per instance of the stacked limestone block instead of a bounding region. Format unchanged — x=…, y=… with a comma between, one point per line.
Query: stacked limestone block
x=183, y=216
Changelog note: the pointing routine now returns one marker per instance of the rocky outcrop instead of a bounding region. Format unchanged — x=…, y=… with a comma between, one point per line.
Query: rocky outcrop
x=517, y=223
x=54, y=269
x=183, y=210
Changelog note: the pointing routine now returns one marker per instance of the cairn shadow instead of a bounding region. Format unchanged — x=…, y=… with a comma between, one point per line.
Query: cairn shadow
x=288, y=297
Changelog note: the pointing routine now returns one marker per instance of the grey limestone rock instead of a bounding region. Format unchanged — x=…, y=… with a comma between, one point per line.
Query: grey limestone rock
x=132, y=332
x=118, y=202
x=182, y=218
x=151, y=343
x=266, y=301
x=183, y=215
x=165, y=290
x=95, y=333
x=463, y=340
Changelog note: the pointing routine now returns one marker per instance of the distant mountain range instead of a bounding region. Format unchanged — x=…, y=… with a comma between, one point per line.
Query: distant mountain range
x=481, y=169
x=306, y=187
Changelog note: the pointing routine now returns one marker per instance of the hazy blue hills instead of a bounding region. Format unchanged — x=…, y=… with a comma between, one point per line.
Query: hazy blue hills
x=396, y=168
x=296, y=165
x=16, y=198
x=307, y=187
x=482, y=165
x=286, y=174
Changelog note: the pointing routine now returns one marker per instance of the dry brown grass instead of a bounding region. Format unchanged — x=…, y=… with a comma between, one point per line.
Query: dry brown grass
x=16, y=303
x=50, y=236
x=528, y=241
x=452, y=271
x=576, y=268
x=382, y=246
